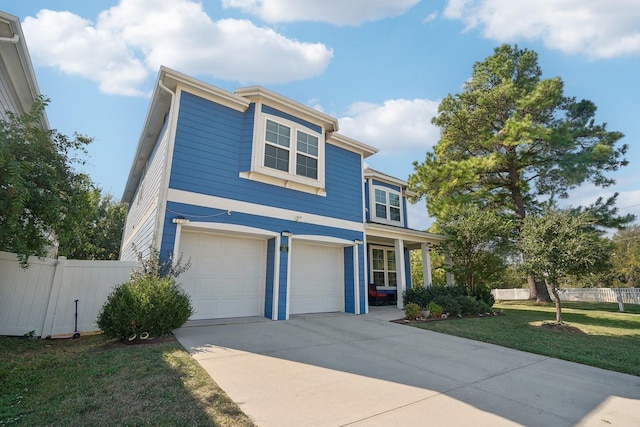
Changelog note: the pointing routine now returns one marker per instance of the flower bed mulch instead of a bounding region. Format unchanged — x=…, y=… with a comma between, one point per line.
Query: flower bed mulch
x=441, y=319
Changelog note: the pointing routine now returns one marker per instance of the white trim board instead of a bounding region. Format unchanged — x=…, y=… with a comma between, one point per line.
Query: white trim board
x=196, y=199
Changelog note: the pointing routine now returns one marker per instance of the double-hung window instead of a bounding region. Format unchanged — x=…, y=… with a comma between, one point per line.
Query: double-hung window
x=279, y=152
x=289, y=154
x=307, y=155
x=277, y=146
x=387, y=206
x=383, y=267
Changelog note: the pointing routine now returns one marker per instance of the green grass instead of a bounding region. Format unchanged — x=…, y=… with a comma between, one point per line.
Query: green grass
x=609, y=339
x=93, y=381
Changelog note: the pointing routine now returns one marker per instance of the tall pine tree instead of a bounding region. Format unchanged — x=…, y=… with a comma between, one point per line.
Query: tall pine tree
x=511, y=140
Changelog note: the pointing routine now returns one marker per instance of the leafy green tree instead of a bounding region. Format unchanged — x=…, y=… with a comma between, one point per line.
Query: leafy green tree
x=626, y=256
x=37, y=181
x=563, y=243
x=478, y=241
x=97, y=232
x=438, y=276
x=512, y=139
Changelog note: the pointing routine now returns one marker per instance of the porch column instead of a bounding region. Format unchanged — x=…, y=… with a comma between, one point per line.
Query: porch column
x=426, y=264
x=401, y=286
x=448, y=275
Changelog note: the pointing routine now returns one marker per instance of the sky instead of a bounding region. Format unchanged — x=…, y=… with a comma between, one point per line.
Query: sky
x=380, y=66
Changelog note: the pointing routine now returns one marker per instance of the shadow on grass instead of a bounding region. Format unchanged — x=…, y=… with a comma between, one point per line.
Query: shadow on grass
x=610, y=340
x=92, y=381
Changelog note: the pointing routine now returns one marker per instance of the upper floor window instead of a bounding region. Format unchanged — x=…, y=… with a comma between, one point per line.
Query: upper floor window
x=287, y=153
x=388, y=207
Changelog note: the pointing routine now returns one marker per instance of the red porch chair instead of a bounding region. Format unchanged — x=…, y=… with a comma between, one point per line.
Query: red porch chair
x=375, y=296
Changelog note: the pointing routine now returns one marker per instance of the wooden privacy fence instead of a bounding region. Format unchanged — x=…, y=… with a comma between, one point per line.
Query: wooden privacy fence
x=618, y=295
x=42, y=298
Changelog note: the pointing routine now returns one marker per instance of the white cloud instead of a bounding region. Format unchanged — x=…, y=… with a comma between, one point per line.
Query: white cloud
x=337, y=12
x=397, y=125
x=431, y=17
x=594, y=28
x=130, y=41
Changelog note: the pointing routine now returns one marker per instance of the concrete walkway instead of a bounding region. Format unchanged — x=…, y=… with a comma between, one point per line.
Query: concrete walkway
x=339, y=369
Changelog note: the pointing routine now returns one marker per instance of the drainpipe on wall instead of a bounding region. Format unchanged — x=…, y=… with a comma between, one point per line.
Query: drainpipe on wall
x=15, y=39
x=162, y=200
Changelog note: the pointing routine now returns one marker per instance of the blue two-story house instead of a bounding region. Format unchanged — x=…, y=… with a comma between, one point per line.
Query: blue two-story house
x=272, y=206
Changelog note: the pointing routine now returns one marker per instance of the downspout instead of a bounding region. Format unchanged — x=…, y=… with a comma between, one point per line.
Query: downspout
x=164, y=189
x=15, y=39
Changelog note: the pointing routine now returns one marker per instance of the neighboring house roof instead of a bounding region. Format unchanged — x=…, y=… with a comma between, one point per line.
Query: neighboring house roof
x=15, y=65
x=166, y=84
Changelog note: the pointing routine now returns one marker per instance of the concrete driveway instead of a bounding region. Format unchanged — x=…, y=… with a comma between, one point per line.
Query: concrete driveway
x=340, y=369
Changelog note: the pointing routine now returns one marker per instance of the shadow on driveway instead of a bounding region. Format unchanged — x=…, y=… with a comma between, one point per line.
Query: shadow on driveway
x=340, y=369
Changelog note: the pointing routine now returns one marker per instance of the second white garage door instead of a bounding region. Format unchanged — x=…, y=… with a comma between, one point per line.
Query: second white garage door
x=227, y=274
x=317, y=278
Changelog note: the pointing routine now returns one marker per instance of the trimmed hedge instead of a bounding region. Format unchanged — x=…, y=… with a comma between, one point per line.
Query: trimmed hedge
x=454, y=300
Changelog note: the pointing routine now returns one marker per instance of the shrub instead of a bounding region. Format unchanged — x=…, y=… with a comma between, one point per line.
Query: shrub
x=453, y=299
x=412, y=311
x=484, y=294
x=469, y=306
x=448, y=303
x=435, y=309
x=484, y=307
x=151, y=305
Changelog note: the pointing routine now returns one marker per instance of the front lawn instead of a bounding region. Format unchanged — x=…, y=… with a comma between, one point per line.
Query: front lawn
x=604, y=338
x=93, y=381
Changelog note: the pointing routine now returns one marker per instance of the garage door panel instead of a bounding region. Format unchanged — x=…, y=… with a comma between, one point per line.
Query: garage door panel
x=227, y=275
x=317, y=278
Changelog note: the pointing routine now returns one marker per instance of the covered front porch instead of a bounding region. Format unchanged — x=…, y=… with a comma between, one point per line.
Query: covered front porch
x=388, y=262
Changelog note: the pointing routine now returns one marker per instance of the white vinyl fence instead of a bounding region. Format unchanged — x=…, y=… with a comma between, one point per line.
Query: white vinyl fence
x=619, y=295
x=42, y=298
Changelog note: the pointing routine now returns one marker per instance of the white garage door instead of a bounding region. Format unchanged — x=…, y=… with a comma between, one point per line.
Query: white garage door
x=227, y=274
x=317, y=284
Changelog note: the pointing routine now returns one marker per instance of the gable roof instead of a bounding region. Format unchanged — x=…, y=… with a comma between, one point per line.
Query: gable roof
x=169, y=81
x=16, y=65
x=166, y=84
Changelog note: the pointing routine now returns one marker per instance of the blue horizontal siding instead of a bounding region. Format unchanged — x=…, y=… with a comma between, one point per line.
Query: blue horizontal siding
x=270, y=110
x=213, y=145
x=268, y=297
x=220, y=216
x=387, y=185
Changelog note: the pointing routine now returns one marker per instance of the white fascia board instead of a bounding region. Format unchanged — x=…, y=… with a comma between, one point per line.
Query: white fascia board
x=14, y=51
x=327, y=240
x=213, y=202
x=227, y=229
x=259, y=94
x=158, y=107
x=342, y=141
x=172, y=79
x=407, y=234
x=370, y=173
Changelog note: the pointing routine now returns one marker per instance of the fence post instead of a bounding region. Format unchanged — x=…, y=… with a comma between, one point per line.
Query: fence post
x=619, y=298
x=634, y=292
x=58, y=277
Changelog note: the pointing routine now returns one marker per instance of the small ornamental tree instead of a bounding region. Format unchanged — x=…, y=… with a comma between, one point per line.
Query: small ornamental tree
x=150, y=304
x=478, y=241
x=562, y=243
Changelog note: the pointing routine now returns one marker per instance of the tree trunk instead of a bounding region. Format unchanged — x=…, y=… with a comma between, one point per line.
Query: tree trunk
x=538, y=290
x=558, y=305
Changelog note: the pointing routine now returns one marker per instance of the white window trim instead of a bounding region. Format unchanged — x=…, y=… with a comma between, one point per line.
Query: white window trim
x=385, y=250
x=372, y=202
x=290, y=179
